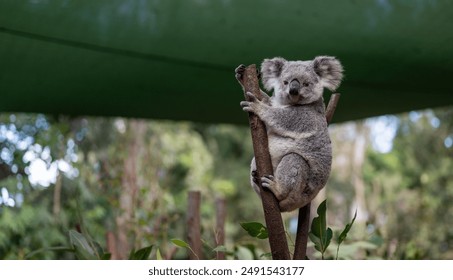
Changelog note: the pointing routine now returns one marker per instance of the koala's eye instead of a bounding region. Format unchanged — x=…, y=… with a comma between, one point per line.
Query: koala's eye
x=285, y=82
x=306, y=84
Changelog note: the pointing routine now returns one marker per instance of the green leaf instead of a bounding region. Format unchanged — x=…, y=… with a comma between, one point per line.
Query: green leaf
x=347, y=228
x=255, y=229
x=320, y=234
x=315, y=241
x=329, y=235
x=142, y=254
x=319, y=223
x=83, y=250
x=158, y=255
x=106, y=256
x=179, y=243
x=98, y=250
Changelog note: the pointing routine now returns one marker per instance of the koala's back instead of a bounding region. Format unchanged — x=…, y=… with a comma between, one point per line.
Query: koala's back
x=303, y=131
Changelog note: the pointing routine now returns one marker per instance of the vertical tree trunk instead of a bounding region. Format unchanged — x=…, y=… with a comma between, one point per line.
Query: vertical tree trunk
x=129, y=187
x=111, y=245
x=220, y=225
x=193, y=226
x=358, y=159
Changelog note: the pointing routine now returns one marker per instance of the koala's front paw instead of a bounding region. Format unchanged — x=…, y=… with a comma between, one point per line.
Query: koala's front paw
x=252, y=106
x=240, y=73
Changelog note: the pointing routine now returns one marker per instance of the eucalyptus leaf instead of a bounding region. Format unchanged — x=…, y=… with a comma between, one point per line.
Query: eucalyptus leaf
x=82, y=247
x=347, y=228
x=158, y=255
x=142, y=254
x=329, y=235
x=179, y=243
x=320, y=234
x=98, y=250
x=315, y=241
x=344, y=233
x=255, y=229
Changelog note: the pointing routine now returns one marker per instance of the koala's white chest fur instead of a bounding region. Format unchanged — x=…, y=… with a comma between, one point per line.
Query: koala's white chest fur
x=288, y=142
x=285, y=138
x=302, y=131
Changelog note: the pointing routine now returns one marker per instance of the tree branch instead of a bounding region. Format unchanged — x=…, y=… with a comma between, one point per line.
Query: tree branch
x=272, y=216
x=333, y=102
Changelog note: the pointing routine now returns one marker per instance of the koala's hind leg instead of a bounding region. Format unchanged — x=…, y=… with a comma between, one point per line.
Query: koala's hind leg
x=289, y=181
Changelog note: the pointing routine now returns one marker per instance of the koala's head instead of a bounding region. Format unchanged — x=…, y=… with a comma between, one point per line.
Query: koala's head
x=300, y=82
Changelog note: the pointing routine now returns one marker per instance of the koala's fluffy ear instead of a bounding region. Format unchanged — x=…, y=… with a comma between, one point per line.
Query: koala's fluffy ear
x=329, y=69
x=271, y=70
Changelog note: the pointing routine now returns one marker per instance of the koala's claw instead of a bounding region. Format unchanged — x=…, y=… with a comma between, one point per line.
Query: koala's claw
x=246, y=106
x=268, y=181
x=240, y=72
x=240, y=69
x=255, y=177
x=251, y=97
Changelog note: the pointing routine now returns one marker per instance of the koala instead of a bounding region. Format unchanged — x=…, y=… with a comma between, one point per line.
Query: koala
x=294, y=116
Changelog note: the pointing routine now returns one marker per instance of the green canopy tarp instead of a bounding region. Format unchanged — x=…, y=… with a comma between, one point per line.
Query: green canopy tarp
x=175, y=59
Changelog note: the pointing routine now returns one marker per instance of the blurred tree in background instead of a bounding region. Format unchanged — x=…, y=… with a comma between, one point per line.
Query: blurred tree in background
x=411, y=188
x=124, y=183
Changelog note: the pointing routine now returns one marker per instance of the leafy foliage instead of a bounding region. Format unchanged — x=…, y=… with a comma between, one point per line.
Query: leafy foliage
x=180, y=243
x=344, y=233
x=255, y=229
x=81, y=246
x=320, y=234
x=141, y=254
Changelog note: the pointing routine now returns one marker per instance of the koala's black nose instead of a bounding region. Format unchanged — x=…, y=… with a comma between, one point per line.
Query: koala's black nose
x=294, y=87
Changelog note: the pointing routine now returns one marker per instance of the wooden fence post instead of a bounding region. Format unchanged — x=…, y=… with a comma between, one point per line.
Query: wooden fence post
x=220, y=225
x=193, y=226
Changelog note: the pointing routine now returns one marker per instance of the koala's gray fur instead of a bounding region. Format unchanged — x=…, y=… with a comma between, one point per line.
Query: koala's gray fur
x=294, y=116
